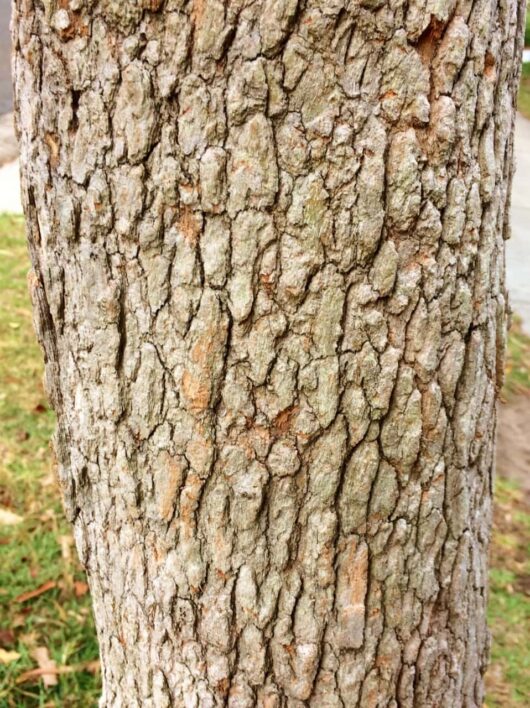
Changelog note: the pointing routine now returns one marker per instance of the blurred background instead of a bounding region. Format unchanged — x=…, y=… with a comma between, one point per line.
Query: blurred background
x=48, y=649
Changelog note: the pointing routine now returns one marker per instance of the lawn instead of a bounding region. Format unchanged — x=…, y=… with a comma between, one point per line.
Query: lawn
x=36, y=550
x=508, y=679
x=524, y=88
x=523, y=102
x=44, y=603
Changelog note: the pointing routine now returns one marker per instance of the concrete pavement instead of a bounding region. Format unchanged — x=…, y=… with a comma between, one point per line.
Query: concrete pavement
x=6, y=102
x=8, y=142
x=10, y=189
x=518, y=247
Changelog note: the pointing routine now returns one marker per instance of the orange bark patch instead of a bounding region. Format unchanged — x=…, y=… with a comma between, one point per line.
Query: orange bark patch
x=153, y=5
x=429, y=40
x=199, y=454
x=290, y=649
x=197, y=12
x=188, y=502
x=52, y=141
x=358, y=573
x=169, y=480
x=325, y=566
x=33, y=281
x=351, y=592
x=284, y=420
x=77, y=27
x=266, y=281
x=270, y=701
x=383, y=661
x=489, y=66
x=196, y=381
x=257, y=435
x=196, y=391
x=223, y=686
x=201, y=350
x=188, y=225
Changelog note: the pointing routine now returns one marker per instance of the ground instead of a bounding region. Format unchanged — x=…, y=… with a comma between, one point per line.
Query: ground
x=44, y=601
x=524, y=91
x=37, y=552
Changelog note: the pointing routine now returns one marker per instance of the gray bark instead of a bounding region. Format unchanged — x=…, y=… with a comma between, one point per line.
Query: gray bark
x=267, y=240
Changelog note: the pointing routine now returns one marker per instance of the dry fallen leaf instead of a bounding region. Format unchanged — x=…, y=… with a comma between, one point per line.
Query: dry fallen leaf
x=80, y=588
x=47, y=666
x=92, y=667
x=35, y=593
x=6, y=657
x=28, y=639
x=19, y=619
x=7, y=637
x=8, y=518
x=66, y=543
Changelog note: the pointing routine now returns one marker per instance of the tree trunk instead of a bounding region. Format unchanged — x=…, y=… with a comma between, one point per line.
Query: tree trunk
x=268, y=277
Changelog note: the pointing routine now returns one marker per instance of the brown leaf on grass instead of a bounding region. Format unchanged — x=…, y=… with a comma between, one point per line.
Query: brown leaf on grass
x=35, y=593
x=7, y=637
x=6, y=657
x=33, y=674
x=19, y=619
x=49, y=514
x=9, y=518
x=40, y=408
x=6, y=500
x=80, y=588
x=29, y=639
x=92, y=667
x=522, y=584
x=66, y=543
x=47, y=666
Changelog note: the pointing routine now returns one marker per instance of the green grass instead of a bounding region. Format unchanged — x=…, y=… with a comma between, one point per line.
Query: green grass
x=39, y=549
x=509, y=606
x=508, y=679
x=517, y=371
x=523, y=102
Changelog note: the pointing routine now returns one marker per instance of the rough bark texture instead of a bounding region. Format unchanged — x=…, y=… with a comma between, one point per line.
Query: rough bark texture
x=267, y=245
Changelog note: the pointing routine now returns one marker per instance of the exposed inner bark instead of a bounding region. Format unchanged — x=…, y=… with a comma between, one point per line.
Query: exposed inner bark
x=267, y=242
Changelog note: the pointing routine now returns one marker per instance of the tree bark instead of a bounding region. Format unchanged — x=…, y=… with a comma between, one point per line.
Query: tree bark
x=267, y=240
